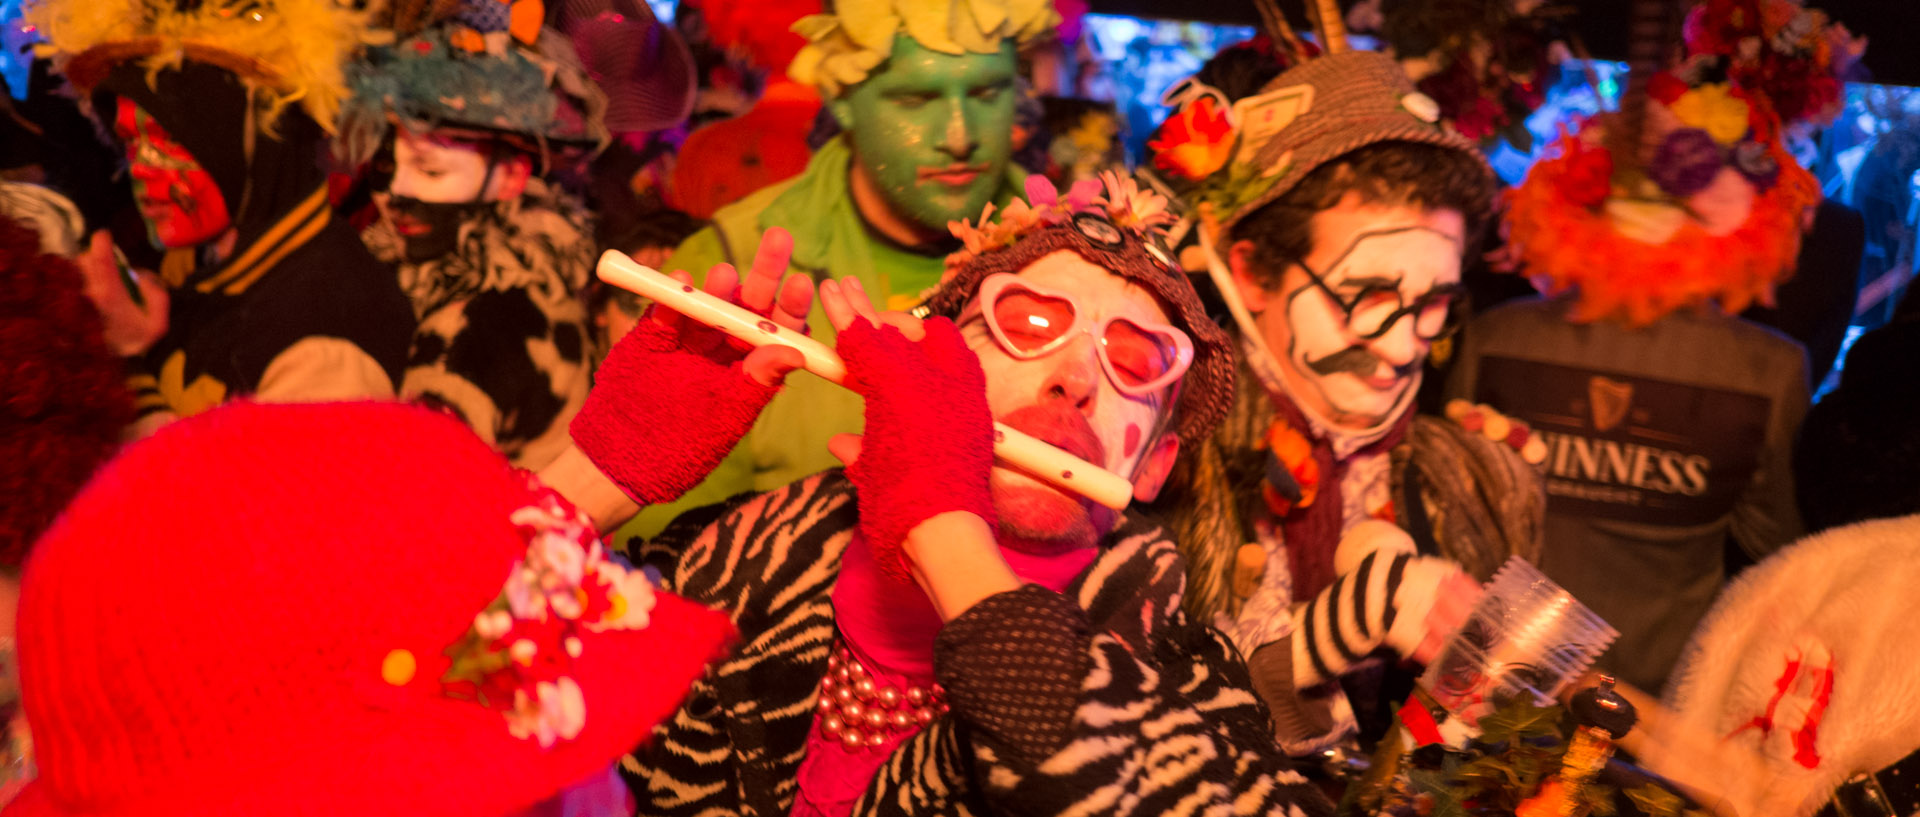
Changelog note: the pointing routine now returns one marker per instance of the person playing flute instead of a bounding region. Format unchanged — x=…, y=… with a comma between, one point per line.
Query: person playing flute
x=926, y=631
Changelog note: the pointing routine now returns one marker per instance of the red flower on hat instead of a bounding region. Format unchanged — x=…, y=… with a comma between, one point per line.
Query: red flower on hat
x=1195, y=141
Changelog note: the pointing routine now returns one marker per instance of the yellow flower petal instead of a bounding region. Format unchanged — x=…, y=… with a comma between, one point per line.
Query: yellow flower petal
x=989, y=15
x=841, y=69
x=968, y=33
x=815, y=27
x=805, y=68
x=1028, y=19
x=870, y=23
x=928, y=23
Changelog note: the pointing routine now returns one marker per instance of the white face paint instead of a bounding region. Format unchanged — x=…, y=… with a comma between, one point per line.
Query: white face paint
x=436, y=169
x=1066, y=398
x=1367, y=256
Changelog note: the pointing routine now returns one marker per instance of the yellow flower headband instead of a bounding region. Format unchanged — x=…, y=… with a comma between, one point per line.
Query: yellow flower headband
x=844, y=47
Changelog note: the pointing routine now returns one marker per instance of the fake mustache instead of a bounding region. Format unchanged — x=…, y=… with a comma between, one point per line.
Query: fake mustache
x=1357, y=361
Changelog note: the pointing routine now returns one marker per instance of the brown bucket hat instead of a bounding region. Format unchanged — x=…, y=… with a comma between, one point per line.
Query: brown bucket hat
x=1322, y=109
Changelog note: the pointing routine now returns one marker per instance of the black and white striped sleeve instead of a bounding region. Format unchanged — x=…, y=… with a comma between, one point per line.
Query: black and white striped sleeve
x=1384, y=600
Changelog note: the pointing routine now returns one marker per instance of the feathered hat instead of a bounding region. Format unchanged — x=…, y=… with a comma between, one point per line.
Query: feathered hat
x=284, y=52
x=1683, y=198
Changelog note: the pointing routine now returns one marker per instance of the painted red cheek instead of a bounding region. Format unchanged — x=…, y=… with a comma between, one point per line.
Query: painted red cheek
x=1133, y=439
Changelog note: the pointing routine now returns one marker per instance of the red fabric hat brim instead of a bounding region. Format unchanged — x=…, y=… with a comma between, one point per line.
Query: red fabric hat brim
x=455, y=758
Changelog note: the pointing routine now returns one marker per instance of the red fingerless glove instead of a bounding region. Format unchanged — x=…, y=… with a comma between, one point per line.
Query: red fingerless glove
x=928, y=446
x=660, y=417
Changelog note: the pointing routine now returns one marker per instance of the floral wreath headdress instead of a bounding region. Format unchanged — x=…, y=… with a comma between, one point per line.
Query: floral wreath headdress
x=845, y=46
x=1117, y=200
x=1684, y=198
x=1789, y=57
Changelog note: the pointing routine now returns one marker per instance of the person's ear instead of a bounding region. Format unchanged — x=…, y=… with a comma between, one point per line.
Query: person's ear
x=510, y=177
x=1245, y=276
x=1154, y=468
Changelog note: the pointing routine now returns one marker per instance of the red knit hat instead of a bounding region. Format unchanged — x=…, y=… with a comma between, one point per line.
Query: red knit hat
x=253, y=612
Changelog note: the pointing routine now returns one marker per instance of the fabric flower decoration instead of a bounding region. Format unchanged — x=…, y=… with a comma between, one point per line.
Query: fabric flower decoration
x=1686, y=162
x=1756, y=162
x=518, y=654
x=1129, y=206
x=554, y=711
x=1117, y=197
x=1714, y=109
x=1195, y=141
x=1293, y=476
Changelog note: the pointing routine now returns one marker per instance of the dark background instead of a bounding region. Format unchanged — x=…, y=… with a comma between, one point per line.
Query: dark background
x=1602, y=25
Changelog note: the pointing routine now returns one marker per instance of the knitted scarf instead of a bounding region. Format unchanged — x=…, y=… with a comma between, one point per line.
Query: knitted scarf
x=1219, y=497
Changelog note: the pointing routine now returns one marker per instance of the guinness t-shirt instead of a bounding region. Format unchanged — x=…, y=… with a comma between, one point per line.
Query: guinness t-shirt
x=1660, y=442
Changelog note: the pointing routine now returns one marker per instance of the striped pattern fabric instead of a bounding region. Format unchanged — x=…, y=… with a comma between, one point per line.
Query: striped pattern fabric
x=291, y=232
x=1161, y=718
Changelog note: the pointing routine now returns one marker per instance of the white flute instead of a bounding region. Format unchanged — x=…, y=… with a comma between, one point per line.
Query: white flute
x=1043, y=461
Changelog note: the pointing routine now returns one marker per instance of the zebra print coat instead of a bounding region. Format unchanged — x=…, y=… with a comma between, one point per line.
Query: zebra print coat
x=1145, y=713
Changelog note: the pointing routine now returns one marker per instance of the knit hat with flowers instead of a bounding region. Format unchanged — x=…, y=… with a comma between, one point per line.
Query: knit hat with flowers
x=334, y=609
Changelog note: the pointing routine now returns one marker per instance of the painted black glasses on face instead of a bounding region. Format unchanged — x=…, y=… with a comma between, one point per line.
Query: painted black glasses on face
x=1374, y=310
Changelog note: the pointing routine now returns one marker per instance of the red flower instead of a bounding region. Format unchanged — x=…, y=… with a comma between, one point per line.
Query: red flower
x=1195, y=141
x=599, y=597
x=1666, y=88
x=1587, y=177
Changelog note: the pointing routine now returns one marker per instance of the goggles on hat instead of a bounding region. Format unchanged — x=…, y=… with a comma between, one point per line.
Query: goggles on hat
x=1029, y=321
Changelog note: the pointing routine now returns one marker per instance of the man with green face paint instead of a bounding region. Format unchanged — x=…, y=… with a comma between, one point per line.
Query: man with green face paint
x=926, y=100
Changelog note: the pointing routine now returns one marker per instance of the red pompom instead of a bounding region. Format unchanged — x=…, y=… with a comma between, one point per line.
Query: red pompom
x=65, y=401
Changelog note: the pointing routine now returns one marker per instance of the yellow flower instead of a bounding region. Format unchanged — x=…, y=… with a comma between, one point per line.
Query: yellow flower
x=843, y=48
x=1712, y=109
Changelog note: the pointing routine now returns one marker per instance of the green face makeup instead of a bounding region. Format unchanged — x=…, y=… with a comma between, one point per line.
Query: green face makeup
x=935, y=130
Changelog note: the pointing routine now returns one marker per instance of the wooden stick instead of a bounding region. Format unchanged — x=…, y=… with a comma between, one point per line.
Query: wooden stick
x=1331, y=26
x=1038, y=459
x=1277, y=29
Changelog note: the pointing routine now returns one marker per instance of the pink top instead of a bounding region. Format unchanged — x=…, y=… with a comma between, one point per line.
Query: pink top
x=890, y=629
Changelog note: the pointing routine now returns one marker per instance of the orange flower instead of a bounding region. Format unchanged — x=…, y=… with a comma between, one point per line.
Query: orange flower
x=1195, y=141
x=1293, y=452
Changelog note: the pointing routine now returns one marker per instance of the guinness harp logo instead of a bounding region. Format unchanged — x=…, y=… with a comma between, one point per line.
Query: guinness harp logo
x=1610, y=399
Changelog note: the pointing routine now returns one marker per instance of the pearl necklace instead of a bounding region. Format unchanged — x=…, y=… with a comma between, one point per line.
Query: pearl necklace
x=861, y=712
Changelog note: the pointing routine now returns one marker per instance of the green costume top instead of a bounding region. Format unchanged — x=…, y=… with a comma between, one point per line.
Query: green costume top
x=830, y=239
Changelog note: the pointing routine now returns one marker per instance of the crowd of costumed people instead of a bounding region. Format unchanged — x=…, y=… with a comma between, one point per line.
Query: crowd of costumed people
x=484, y=408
